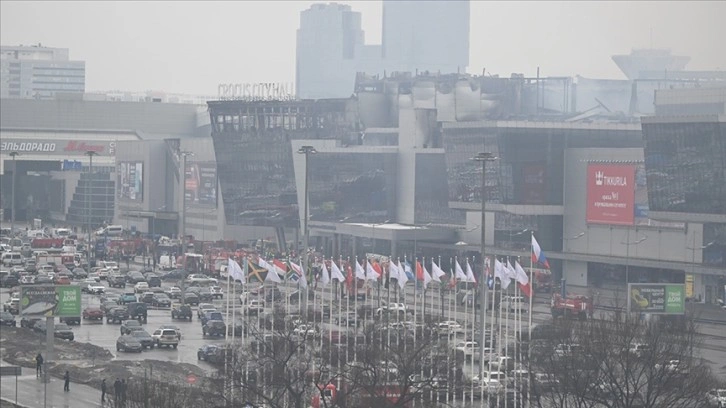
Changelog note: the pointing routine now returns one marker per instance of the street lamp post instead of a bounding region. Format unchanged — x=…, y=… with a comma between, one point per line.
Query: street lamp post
x=183, y=177
x=483, y=157
x=12, y=203
x=307, y=151
x=693, y=252
x=572, y=238
x=627, y=244
x=90, y=154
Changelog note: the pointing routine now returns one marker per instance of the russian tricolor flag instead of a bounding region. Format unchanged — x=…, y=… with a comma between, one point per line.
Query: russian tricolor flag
x=538, y=255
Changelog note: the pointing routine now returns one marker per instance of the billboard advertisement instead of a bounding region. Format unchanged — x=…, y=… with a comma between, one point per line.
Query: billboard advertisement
x=130, y=181
x=611, y=194
x=58, y=147
x=200, y=184
x=50, y=300
x=657, y=298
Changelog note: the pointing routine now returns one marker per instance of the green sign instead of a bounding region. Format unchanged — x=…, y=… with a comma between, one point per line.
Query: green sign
x=50, y=300
x=657, y=298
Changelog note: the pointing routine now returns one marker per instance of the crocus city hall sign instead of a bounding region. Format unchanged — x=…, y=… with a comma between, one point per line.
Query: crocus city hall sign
x=265, y=91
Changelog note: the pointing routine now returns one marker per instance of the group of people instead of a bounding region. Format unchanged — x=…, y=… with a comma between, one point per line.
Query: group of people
x=39, y=372
x=119, y=386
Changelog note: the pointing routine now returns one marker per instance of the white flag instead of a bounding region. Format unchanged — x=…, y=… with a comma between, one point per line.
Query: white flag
x=510, y=271
x=337, y=274
x=360, y=273
x=470, y=273
x=272, y=275
x=501, y=273
x=303, y=281
x=436, y=272
x=235, y=271
x=402, y=277
x=426, y=275
x=393, y=271
x=522, y=277
x=460, y=275
x=325, y=276
x=371, y=273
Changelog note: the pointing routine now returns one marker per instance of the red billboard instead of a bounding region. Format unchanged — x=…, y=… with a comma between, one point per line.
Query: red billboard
x=611, y=194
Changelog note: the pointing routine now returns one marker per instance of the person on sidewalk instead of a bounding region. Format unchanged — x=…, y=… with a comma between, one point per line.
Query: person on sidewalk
x=103, y=390
x=67, y=378
x=38, y=365
x=117, y=390
x=123, y=391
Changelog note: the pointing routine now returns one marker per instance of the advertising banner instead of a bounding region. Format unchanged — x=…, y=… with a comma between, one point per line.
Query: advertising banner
x=60, y=147
x=200, y=184
x=130, y=184
x=610, y=194
x=657, y=298
x=50, y=300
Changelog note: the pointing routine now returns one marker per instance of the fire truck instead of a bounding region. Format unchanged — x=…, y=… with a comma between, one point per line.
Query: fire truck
x=334, y=395
x=572, y=306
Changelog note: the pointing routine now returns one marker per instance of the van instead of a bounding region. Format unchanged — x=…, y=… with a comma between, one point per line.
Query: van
x=111, y=230
x=12, y=259
x=62, y=232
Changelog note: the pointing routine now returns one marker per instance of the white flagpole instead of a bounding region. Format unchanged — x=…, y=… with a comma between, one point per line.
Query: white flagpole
x=226, y=333
x=347, y=314
x=499, y=330
x=355, y=308
x=529, y=317
x=492, y=337
x=330, y=316
x=234, y=320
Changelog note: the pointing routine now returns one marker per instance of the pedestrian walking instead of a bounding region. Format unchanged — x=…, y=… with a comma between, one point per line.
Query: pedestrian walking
x=38, y=365
x=67, y=379
x=103, y=390
x=117, y=390
x=123, y=391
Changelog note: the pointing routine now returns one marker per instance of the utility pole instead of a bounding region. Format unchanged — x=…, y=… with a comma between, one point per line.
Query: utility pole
x=307, y=151
x=183, y=177
x=12, y=203
x=89, y=184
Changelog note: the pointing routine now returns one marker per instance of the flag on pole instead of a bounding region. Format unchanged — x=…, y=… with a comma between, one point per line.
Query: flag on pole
x=523, y=279
x=426, y=276
x=257, y=272
x=490, y=277
x=408, y=271
x=394, y=271
x=324, y=275
x=335, y=272
x=235, y=271
x=419, y=271
x=470, y=273
x=436, y=272
x=272, y=275
x=371, y=273
x=360, y=273
x=538, y=255
x=501, y=273
x=302, y=280
x=460, y=275
x=402, y=277
x=510, y=270
x=349, y=276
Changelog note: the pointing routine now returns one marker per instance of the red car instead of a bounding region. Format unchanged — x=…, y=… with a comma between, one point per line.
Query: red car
x=93, y=313
x=62, y=280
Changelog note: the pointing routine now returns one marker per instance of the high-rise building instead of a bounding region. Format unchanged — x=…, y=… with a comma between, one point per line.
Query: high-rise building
x=39, y=72
x=417, y=36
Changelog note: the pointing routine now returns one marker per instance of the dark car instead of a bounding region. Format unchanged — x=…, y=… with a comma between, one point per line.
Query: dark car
x=43, y=280
x=175, y=274
x=211, y=316
x=181, y=312
x=143, y=337
x=137, y=310
x=135, y=277
x=7, y=319
x=108, y=305
x=80, y=273
x=211, y=353
x=71, y=320
x=29, y=322
x=147, y=297
x=160, y=300
x=214, y=328
x=92, y=313
x=117, y=315
x=128, y=343
x=190, y=298
x=9, y=281
x=130, y=325
x=205, y=295
x=40, y=326
x=117, y=281
x=154, y=280
x=237, y=329
x=63, y=331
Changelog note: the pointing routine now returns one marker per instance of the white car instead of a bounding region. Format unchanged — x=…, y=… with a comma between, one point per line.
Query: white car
x=468, y=347
x=95, y=288
x=392, y=308
x=514, y=303
x=305, y=330
x=200, y=279
x=141, y=287
x=450, y=327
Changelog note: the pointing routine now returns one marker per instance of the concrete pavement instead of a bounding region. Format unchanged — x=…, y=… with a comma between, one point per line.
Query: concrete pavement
x=33, y=393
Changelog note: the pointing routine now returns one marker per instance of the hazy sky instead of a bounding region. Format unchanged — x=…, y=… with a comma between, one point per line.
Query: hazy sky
x=190, y=47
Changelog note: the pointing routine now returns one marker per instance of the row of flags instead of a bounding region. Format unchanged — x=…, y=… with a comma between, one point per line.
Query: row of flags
x=264, y=271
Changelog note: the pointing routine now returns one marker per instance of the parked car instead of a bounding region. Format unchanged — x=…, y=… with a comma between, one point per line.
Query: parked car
x=217, y=292
x=29, y=322
x=130, y=325
x=205, y=295
x=141, y=287
x=214, y=328
x=200, y=279
x=117, y=281
x=126, y=298
x=213, y=315
x=137, y=311
x=166, y=337
x=174, y=292
x=63, y=331
x=147, y=297
x=204, y=308
x=80, y=273
x=254, y=307
x=143, y=337
x=117, y=315
x=12, y=305
x=190, y=298
x=71, y=320
x=92, y=313
x=160, y=300
x=128, y=343
x=172, y=327
x=153, y=279
x=7, y=319
x=95, y=289
x=181, y=312
x=211, y=353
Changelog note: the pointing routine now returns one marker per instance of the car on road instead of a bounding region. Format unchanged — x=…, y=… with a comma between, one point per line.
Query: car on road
x=172, y=327
x=166, y=337
x=205, y=295
x=117, y=281
x=212, y=315
x=214, y=328
x=12, y=305
x=130, y=325
x=217, y=292
x=95, y=289
x=7, y=319
x=9, y=281
x=153, y=279
x=190, y=298
x=70, y=320
x=128, y=343
x=174, y=292
x=211, y=353
x=92, y=313
x=141, y=287
x=117, y=314
x=146, y=297
x=63, y=331
x=160, y=300
x=200, y=279
x=179, y=312
x=204, y=308
x=137, y=311
x=143, y=337
x=126, y=298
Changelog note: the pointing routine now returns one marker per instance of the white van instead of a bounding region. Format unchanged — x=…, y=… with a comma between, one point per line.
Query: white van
x=111, y=230
x=62, y=232
x=12, y=259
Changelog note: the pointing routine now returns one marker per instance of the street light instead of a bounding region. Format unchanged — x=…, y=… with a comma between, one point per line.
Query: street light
x=307, y=151
x=627, y=254
x=572, y=238
x=184, y=155
x=483, y=157
x=693, y=252
x=90, y=154
x=12, y=203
